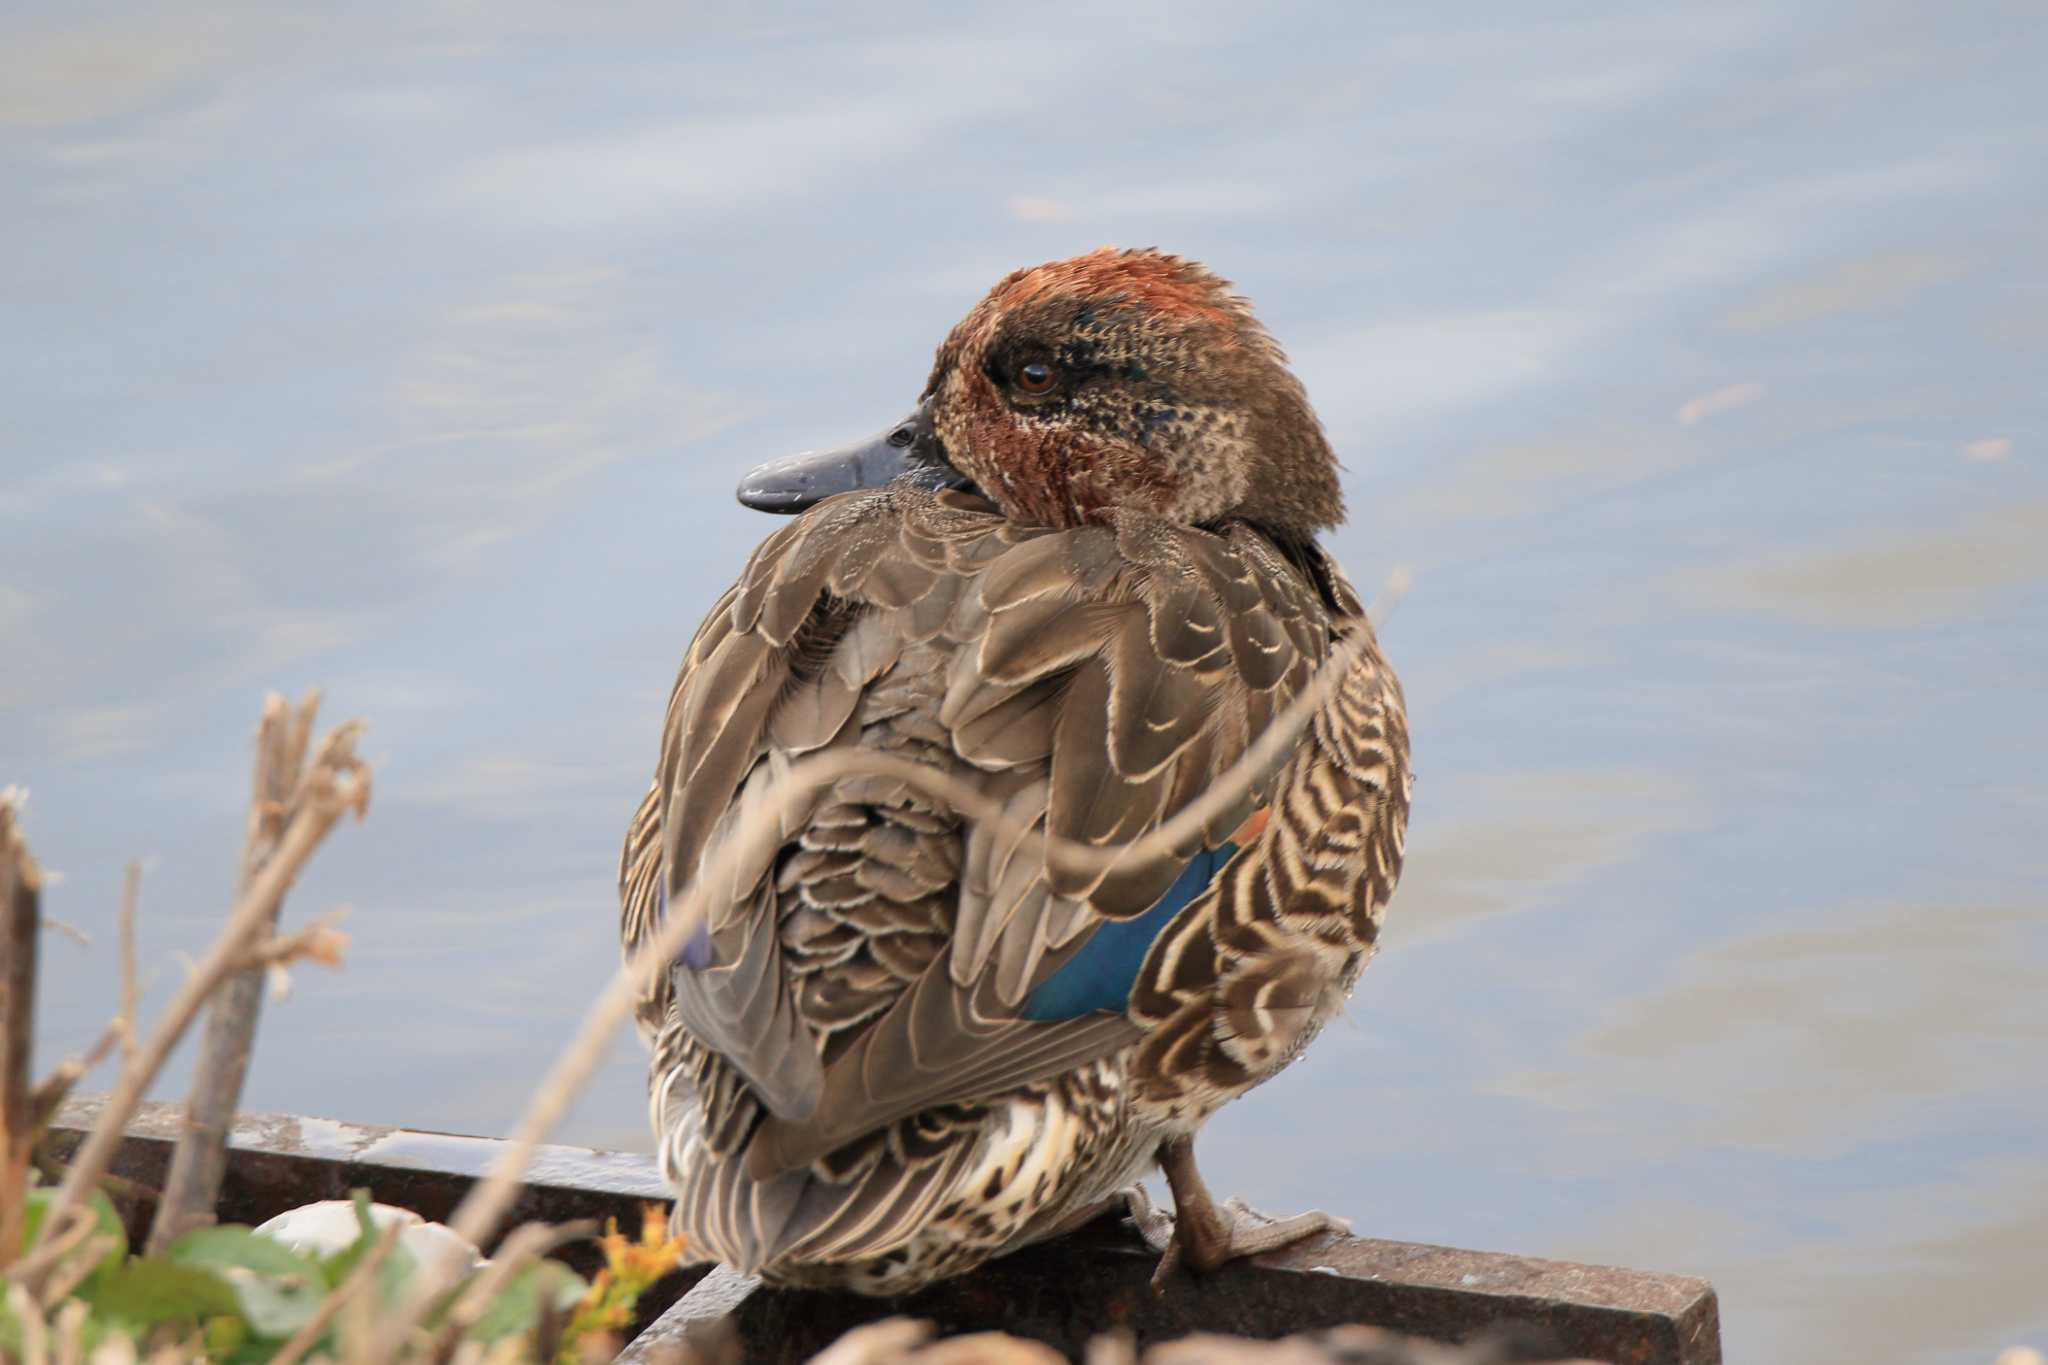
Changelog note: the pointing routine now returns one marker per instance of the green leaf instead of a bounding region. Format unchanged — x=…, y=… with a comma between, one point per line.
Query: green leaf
x=145, y=1293
x=238, y=1246
x=278, y=1289
x=364, y=1221
x=336, y=1265
x=517, y=1307
x=225, y=1336
x=276, y=1305
x=107, y=1224
x=392, y=1275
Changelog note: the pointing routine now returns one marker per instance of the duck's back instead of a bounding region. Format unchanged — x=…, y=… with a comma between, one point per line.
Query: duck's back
x=902, y=1041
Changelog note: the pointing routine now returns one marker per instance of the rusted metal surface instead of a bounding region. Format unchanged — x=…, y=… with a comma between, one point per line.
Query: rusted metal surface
x=1063, y=1293
x=1069, y=1291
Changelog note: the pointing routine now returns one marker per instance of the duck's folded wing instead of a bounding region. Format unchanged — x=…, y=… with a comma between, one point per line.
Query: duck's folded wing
x=1098, y=695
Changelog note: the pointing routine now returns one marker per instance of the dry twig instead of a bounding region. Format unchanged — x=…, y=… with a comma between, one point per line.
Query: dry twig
x=71, y=1270
x=21, y=925
x=876, y=1342
x=336, y=784
x=55, y=1088
x=520, y=1249
x=356, y=1283
x=192, y=1186
x=131, y=978
x=64, y=1232
x=70, y=931
x=35, y=1333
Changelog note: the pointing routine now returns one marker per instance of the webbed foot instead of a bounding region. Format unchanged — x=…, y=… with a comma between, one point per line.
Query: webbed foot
x=1204, y=1235
x=1154, y=1224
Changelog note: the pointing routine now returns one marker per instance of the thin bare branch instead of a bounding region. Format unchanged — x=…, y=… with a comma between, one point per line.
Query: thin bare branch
x=70, y=931
x=21, y=930
x=356, y=1283
x=131, y=978
x=55, y=1088
x=1117, y=1347
x=521, y=1248
x=318, y=942
x=35, y=1333
x=64, y=1230
x=336, y=784
x=876, y=1343
x=198, y=1164
x=71, y=1333
x=71, y=1271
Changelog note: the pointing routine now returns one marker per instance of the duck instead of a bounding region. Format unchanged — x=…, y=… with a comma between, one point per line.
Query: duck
x=1084, y=578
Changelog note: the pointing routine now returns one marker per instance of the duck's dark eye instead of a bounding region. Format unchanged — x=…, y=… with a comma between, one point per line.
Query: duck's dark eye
x=1035, y=378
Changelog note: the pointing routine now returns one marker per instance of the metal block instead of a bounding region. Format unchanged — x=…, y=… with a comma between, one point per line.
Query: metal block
x=1062, y=1293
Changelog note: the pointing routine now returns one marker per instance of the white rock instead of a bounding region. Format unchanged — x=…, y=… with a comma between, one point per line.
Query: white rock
x=326, y=1227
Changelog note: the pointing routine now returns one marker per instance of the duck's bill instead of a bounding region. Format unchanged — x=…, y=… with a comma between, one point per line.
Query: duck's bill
x=907, y=449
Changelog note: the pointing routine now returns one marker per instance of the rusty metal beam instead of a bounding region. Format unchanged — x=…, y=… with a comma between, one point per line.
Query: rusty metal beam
x=1062, y=1293
x=1068, y=1291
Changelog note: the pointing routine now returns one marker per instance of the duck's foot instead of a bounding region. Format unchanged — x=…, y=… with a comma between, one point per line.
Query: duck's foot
x=1204, y=1235
x=1154, y=1224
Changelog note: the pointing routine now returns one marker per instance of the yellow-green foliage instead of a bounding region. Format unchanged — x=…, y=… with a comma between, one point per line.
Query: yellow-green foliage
x=630, y=1269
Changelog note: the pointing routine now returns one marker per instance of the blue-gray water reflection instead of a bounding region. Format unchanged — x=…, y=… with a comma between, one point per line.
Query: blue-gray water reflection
x=1691, y=359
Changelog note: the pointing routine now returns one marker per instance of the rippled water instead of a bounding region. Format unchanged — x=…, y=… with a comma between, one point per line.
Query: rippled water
x=1692, y=360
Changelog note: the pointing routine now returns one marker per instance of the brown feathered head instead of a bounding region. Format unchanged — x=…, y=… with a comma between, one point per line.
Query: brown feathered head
x=1114, y=380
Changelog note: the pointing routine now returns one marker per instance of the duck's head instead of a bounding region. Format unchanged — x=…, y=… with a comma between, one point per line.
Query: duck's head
x=1078, y=388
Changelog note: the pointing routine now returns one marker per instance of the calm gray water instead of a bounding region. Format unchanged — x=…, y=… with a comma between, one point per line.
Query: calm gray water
x=1692, y=361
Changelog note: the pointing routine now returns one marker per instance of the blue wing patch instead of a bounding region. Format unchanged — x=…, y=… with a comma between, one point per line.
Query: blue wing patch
x=1101, y=975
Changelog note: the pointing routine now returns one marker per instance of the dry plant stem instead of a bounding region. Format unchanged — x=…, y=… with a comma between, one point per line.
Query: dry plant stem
x=76, y=1267
x=1112, y=1348
x=53, y=1089
x=35, y=1340
x=192, y=1186
x=354, y=1283
x=131, y=978
x=481, y=1210
x=357, y=1331
x=520, y=1249
x=336, y=785
x=50, y=1251
x=71, y=1333
x=70, y=931
x=319, y=941
x=887, y=1340
x=21, y=924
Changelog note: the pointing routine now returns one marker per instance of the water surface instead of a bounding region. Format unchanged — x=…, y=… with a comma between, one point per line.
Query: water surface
x=1690, y=360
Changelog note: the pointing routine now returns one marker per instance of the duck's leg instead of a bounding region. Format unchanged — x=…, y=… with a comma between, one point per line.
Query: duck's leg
x=1204, y=1235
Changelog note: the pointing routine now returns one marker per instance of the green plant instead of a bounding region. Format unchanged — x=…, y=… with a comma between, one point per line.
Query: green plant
x=230, y=1295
